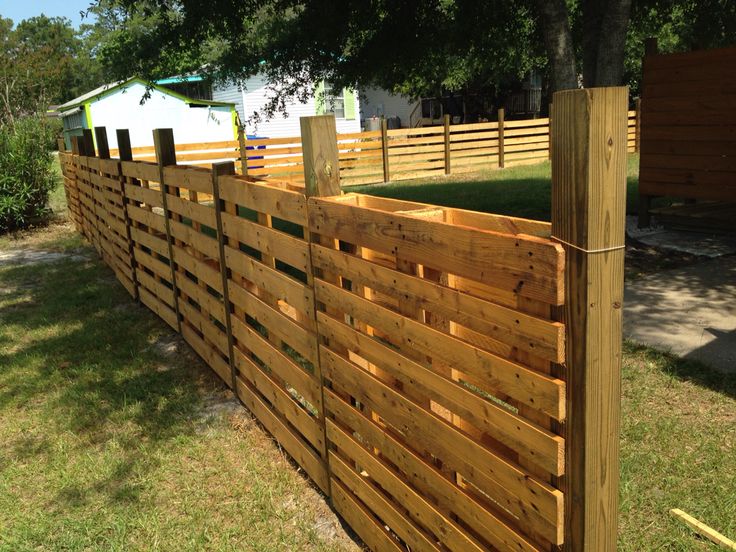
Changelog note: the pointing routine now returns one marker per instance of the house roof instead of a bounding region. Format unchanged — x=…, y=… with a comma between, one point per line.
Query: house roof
x=105, y=89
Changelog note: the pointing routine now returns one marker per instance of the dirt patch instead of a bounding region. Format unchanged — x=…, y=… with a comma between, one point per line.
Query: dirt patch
x=35, y=256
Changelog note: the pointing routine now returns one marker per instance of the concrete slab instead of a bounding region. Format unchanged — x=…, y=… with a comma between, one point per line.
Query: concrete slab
x=695, y=243
x=688, y=311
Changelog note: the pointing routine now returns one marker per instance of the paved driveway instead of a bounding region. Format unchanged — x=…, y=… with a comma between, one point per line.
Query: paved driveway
x=689, y=311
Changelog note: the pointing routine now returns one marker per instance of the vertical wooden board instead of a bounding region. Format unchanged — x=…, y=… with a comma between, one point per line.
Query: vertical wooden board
x=321, y=158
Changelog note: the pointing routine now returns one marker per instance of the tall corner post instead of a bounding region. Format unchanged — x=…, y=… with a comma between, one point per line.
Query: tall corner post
x=588, y=218
x=322, y=179
x=243, y=148
x=165, y=148
x=89, y=142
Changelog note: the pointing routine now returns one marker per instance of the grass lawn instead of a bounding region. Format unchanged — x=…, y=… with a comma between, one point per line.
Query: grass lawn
x=523, y=191
x=115, y=436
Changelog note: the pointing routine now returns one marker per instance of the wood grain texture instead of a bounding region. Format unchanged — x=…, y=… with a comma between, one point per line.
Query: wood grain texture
x=321, y=159
x=588, y=211
x=687, y=129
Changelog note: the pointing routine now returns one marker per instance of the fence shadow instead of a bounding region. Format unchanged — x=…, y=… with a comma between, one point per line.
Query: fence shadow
x=92, y=370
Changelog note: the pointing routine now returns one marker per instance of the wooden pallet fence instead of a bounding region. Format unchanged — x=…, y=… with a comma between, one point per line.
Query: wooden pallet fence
x=201, y=154
x=437, y=373
x=439, y=398
x=71, y=191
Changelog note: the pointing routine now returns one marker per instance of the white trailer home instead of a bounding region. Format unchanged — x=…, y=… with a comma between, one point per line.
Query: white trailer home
x=122, y=105
x=256, y=94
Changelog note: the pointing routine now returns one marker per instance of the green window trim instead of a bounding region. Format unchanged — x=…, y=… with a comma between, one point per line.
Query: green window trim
x=88, y=119
x=350, y=103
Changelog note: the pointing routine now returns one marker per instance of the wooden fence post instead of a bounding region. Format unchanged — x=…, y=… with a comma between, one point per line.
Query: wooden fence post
x=125, y=153
x=501, y=154
x=243, y=150
x=588, y=218
x=77, y=147
x=89, y=142
x=321, y=157
x=447, y=143
x=103, y=149
x=163, y=142
x=322, y=178
x=221, y=169
x=384, y=149
x=88, y=149
x=60, y=144
x=549, y=132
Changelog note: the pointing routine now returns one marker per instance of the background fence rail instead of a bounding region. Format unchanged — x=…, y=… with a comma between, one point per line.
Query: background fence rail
x=391, y=154
x=409, y=357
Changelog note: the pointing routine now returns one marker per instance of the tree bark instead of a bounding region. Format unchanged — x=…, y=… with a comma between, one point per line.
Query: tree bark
x=558, y=42
x=605, y=23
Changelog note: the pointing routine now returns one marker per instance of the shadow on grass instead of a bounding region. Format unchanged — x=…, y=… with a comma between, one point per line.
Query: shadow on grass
x=686, y=369
x=78, y=352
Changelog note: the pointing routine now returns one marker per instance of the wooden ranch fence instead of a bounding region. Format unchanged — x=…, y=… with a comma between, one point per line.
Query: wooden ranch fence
x=448, y=378
x=390, y=155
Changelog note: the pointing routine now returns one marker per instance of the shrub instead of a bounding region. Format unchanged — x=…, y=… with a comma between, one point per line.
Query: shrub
x=26, y=172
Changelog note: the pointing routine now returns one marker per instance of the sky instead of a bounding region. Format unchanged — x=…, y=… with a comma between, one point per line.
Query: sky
x=18, y=10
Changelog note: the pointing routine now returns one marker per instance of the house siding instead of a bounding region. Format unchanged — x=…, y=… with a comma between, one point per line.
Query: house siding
x=281, y=125
x=378, y=102
x=230, y=94
x=122, y=109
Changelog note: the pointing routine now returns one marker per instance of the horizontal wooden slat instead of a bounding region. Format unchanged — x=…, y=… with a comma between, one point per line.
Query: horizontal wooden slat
x=452, y=536
x=535, y=443
x=435, y=435
x=263, y=198
x=292, y=443
x=534, y=335
x=373, y=533
x=531, y=266
x=280, y=364
x=276, y=283
x=532, y=388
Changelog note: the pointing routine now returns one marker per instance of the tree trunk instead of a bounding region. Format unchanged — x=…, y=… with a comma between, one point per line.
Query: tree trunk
x=605, y=23
x=558, y=42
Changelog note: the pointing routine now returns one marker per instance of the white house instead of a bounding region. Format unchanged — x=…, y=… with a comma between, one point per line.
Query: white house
x=256, y=94
x=377, y=103
x=121, y=105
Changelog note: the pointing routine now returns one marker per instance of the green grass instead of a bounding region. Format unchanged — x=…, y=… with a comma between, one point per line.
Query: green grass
x=678, y=450
x=523, y=191
x=108, y=443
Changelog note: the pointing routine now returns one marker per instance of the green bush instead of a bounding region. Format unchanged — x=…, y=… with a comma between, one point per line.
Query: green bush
x=26, y=172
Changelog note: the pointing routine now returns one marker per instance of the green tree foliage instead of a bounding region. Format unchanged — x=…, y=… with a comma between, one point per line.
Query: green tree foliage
x=43, y=61
x=679, y=26
x=414, y=47
x=26, y=174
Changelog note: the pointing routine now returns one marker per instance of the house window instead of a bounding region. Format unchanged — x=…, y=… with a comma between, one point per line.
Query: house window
x=334, y=101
